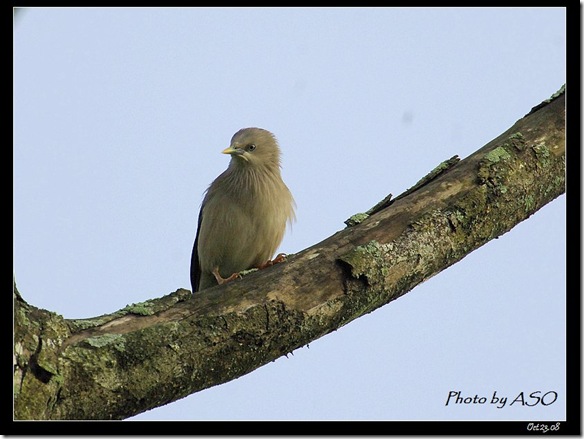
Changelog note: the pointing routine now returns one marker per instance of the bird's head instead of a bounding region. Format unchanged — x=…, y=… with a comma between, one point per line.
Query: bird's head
x=254, y=147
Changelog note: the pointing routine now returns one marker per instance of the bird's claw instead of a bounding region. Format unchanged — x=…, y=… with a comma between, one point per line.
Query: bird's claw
x=281, y=257
x=221, y=280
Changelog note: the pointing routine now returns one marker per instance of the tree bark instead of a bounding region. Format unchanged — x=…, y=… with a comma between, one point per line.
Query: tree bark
x=152, y=353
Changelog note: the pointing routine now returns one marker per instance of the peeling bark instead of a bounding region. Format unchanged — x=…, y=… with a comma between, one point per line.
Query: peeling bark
x=149, y=354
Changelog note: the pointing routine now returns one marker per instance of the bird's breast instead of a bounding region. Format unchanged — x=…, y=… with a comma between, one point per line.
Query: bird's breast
x=243, y=225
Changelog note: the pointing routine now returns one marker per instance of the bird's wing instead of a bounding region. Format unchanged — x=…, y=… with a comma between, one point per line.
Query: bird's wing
x=195, y=266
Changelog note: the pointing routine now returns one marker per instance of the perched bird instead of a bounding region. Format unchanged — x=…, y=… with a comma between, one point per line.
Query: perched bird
x=244, y=212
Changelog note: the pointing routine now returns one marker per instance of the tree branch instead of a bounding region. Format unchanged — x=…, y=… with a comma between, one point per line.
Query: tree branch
x=149, y=354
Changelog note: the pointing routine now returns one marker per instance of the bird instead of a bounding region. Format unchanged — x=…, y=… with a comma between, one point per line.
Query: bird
x=244, y=213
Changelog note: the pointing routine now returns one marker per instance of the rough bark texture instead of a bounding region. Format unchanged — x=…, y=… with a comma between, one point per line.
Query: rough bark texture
x=149, y=354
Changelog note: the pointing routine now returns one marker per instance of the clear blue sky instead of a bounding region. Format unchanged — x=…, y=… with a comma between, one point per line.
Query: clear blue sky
x=120, y=117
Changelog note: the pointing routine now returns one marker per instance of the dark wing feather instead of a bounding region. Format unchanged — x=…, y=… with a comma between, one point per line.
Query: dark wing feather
x=195, y=266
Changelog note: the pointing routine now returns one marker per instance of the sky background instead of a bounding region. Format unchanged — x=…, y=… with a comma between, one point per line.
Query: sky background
x=120, y=117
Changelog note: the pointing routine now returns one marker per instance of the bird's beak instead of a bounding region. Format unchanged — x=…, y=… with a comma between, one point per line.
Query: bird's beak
x=233, y=151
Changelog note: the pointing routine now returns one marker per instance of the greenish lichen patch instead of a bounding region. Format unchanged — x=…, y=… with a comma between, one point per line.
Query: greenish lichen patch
x=367, y=261
x=141, y=309
x=146, y=308
x=45, y=358
x=496, y=155
x=444, y=166
x=541, y=150
x=456, y=219
x=116, y=340
x=529, y=203
x=358, y=218
x=246, y=272
x=439, y=170
x=491, y=169
x=556, y=95
x=18, y=349
x=516, y=141
x=83, y=324
x=153, y=306
x=381, y=205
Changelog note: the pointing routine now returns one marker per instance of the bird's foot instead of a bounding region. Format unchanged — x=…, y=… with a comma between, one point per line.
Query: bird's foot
x=281, y=257
x=221, y=280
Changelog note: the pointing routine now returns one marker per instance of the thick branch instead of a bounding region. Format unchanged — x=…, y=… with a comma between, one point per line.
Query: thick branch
x=149, y=354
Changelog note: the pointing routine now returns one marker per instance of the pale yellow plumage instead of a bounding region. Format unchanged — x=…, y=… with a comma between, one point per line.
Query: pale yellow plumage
x=244, y=213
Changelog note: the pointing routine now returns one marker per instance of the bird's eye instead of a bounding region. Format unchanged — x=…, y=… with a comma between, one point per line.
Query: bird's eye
x=250, y=147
